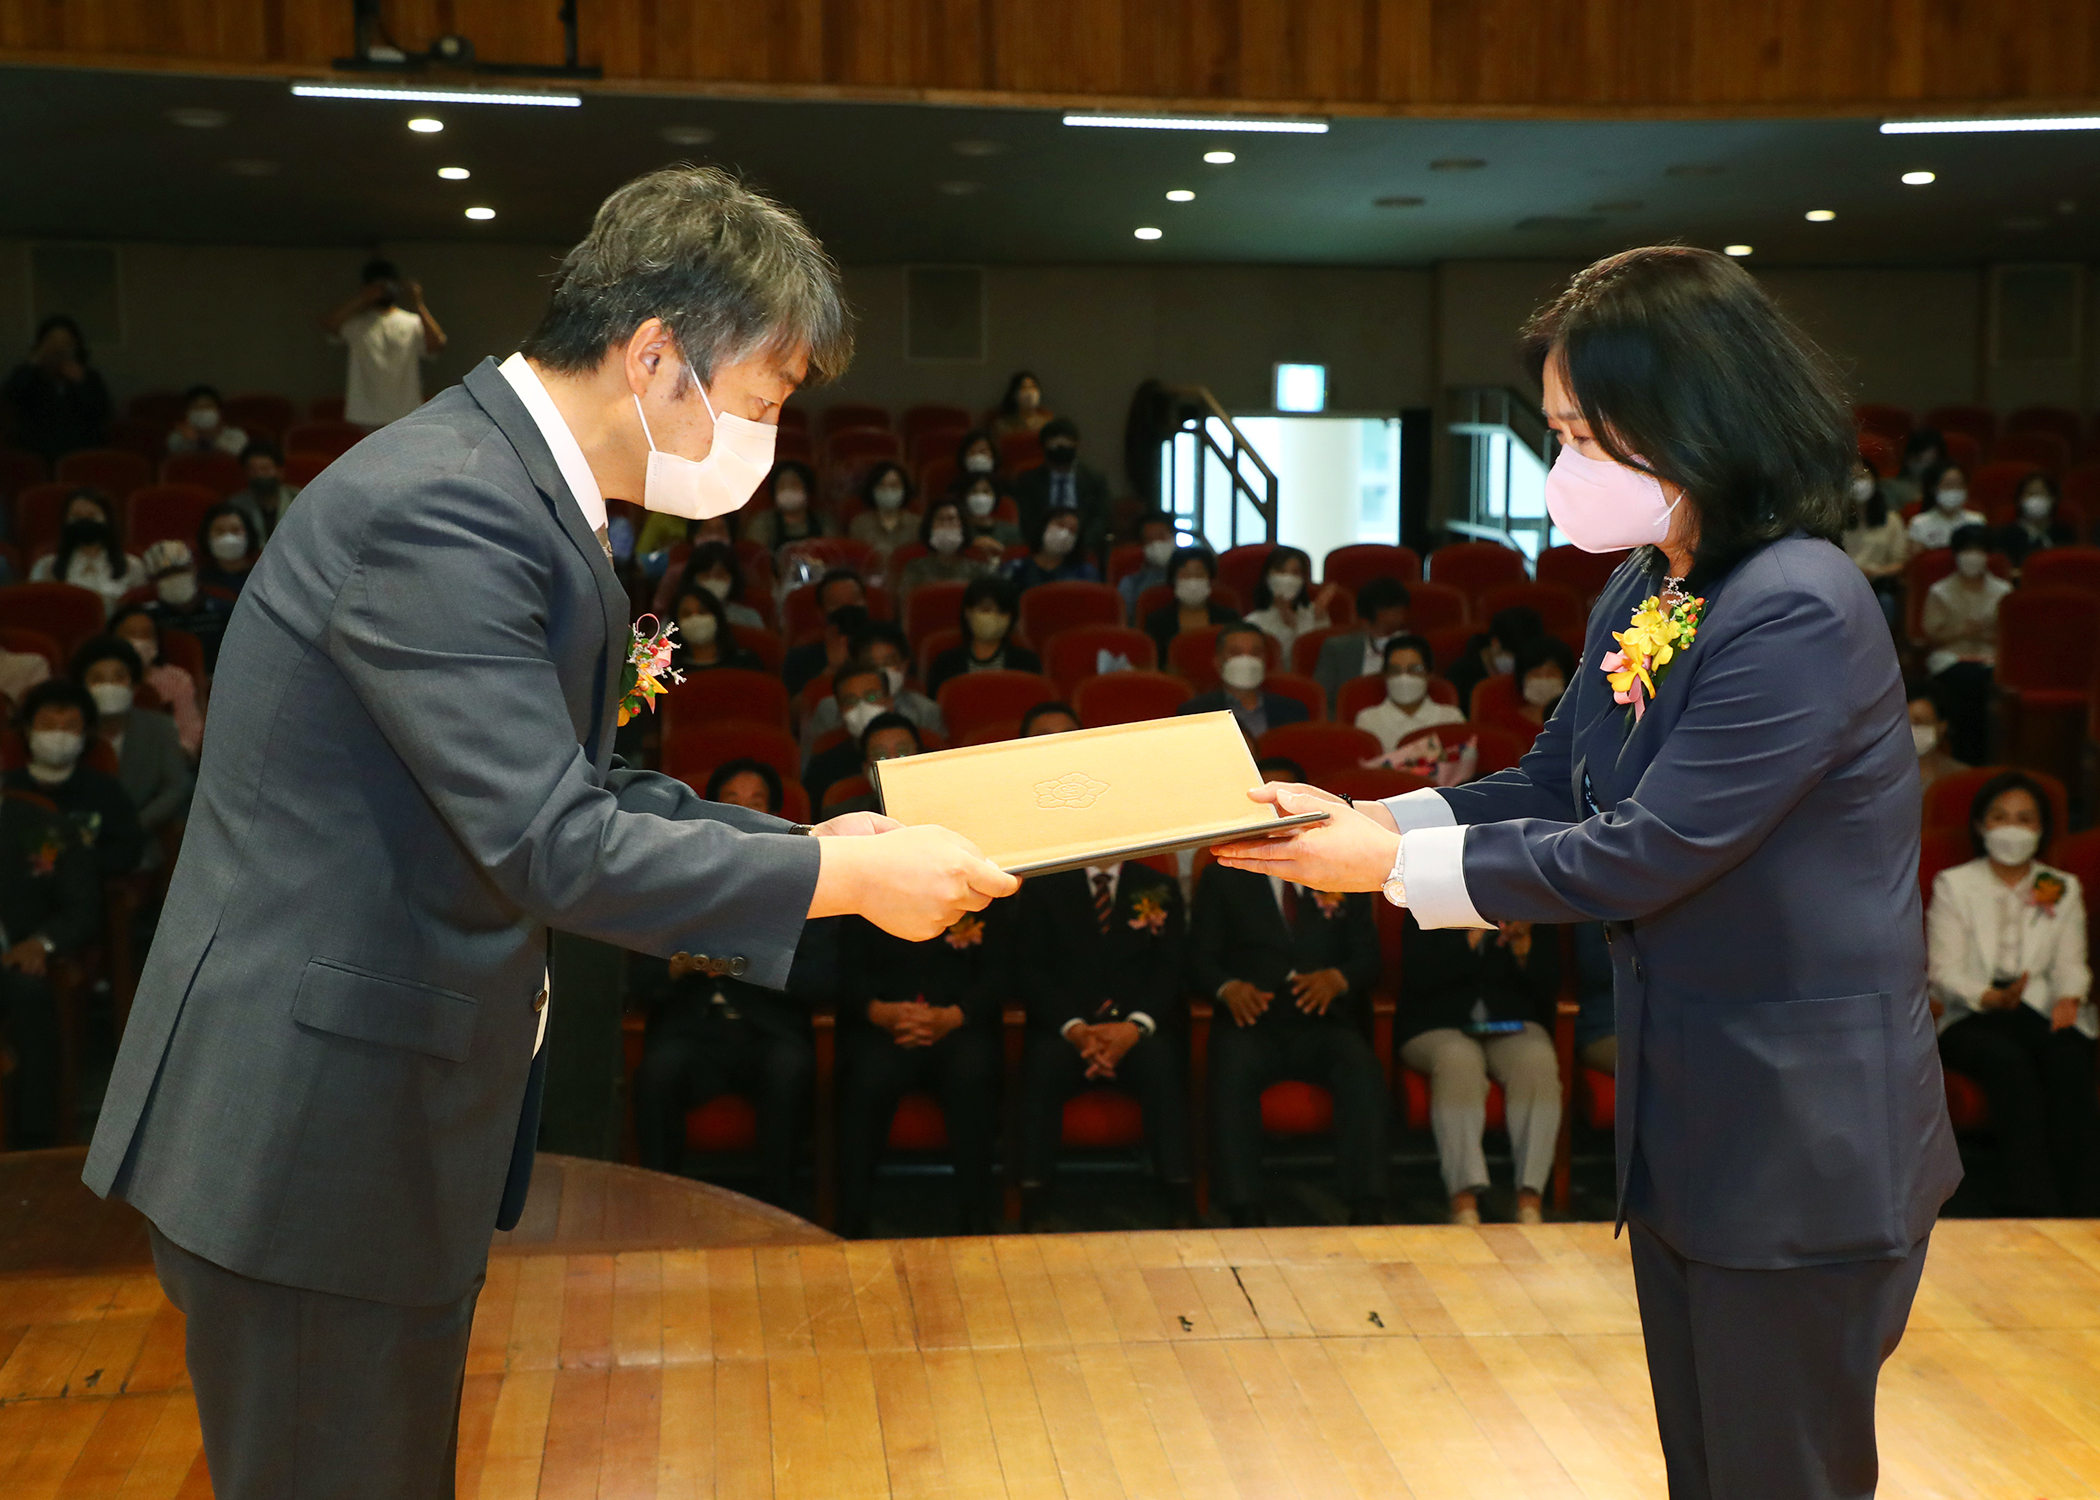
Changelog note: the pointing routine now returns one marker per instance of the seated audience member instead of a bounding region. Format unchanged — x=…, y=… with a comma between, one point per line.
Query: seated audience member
x=840, y=588
x=1021, y=409
x=178, y=602
x=1474, y=1003
x=1285, y=604
x=989, y=537
x=1493, y=653
x=1048, y=718
x=50, y=902
x=1597, y=1021
x=1928, y=732
x=714, y=566
x=1054, y=555
x=2007, y=957
x=56, y=398
x=1877, y=541
x=920, y=1016
x=89, y=555
x=1155, y=536
x=58, y=721
x=1960, y=624
x=885, y=524
x=1098, y=960
x=1062, y=482
x=204, y=428
x=1944, y=508
x=792, y=516
x=988, y=608
x=1543, y=670
x=948, y=558
x=1194, y=572
x=266, y=497
x=1407, y=706
x=1290, y=971
x=2036, y=526
x=1242, y=665
x=977, y=452
x=879, y=642
x=672, y=581
x=151, y=765
x=230, y=546
x=888, y=736
x=1923, y=450
x=1384, y=609
x=745, y=782
x=706, y=639
x=860, y=694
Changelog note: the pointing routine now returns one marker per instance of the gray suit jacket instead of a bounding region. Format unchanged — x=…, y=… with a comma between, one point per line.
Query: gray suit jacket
x=1752, y=847
x=152, y=769
x=407, y=779
x=1341, y=660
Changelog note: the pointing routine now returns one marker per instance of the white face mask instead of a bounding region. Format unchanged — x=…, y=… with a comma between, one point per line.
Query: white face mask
x=698, y=628
x=2035, y=507
x=946, y=540
x=148, y=650
x=228, y=546
x=1971, y=564
x=1950, y=499
x=860, y=716
x=55, y=749
x=889, y=497
x=1192, y=593
x=790, y=497
x=1284, y=587
x=205, y=418
x=1863, y=489
x=982, y=503
x=111, y=698
x=177, y=589
x=1503, y=662
x=1925, y=738
x=1159, y=553
x=2010, y=844
x=988, y=624
x=737, y=462
x=1540, y=692
x=1058, y=540
x=893, y=679
x=978, y=463
x=1406, y=689
x=1243, y=673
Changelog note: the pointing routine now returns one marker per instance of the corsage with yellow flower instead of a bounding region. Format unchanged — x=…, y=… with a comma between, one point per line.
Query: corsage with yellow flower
x=2048, y=889
x=1663, y=628
x=1148, y=914
x=648, y=664
x=966, y=932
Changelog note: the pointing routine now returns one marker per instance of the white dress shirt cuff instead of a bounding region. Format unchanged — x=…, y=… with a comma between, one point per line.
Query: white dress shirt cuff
x=1421, y=808
x=1142, y=1022
x=1433, y=866
x=1065, y=1030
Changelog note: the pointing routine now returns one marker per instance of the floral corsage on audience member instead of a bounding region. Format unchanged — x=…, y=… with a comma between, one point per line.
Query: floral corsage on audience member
x=648, y=664
x=1662, y=629
x=1329, y=902
x=1148, y=914
x=2048, y=889
x=44, y=856
x=967, y=932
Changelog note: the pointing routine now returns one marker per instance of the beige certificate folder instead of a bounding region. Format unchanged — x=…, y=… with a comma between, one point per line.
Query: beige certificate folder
x=1061, y=801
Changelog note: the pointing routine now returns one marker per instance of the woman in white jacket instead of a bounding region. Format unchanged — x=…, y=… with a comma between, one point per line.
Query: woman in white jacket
x=2012, y=991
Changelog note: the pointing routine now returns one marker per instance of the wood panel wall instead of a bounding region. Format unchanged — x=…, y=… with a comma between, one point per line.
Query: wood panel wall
x=1499, y=57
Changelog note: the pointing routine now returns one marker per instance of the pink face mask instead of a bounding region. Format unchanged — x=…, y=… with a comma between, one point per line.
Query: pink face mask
x=1606, y=507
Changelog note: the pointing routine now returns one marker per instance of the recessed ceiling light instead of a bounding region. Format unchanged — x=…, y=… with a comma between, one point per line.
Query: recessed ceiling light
x=687, y=135
x=481, y=213
x=433, y=96
x=1919, y=179
x=1180, y=195
x=1397, y=200
x=199, y=117
x=1738, y=251
x=1200, y=122
x=1457, y=164
x=424, y=125
x=454, y=174
x=977, y=148
x=1220, y=158
x=1820, y=215
x=1147, y=233
x=1955, y=127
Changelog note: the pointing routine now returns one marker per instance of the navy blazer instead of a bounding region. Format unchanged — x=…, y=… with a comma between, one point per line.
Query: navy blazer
x=1752, y=843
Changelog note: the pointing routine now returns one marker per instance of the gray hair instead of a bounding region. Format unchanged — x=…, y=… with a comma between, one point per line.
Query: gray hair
x=730, y=272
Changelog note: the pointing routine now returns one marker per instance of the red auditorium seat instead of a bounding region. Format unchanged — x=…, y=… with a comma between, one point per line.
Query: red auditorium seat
x=2073, y=568
x=1414, y=1101
x=1583, y=574
x=148, y=440
x=976, y=699
x=1302, y=688
x=841, y=415
x=1967, y=1109
x=2058, y=421
x=221, y=473
x=1947, y=800
x=723, y=695
x=931, y=607
x=114, y=473
x=845, y=789
x=67, y=614
x=1977, y=423
x=725, y=1123
x=331, y=438
x=1050, y=607
x=1357, y=564
x=693, y=757
x=302, y=469
x=1598, y=1098
x=167, y=513
x=2048, y=648
x=1074, y=653
x=1494, y=697
x=800, y=621
x=1879, y=454
x=1993, y=486
x=1320, y=749
x=1194, y=654
x=851, y=451
x=1305, y=650
x=1103, y=1119
x=20, y=470
x=1160, y=595
x=1436, y=606
x=1129, y=697
x=1473, y=568
x=162, y=408
x=256, y=412
x=39, y=514
x=23, y=641
x=769, y=648
x=1292, y=1108
x=181, y=649
x=1963, y=451
x=794, y=419
x=918, y=1125
x=1941, y=849
x=2044, y=450
x=1124, y=559
x=1241, y=567
x=1019, y=452
x=325, y=409
x=1890, y=423
x=1562, y=609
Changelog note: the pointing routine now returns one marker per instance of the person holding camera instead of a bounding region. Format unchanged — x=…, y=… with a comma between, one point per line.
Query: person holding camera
x=389, y=333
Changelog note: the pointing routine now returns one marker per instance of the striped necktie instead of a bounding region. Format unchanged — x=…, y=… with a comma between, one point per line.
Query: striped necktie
x=603, y=541
x=1104, y=899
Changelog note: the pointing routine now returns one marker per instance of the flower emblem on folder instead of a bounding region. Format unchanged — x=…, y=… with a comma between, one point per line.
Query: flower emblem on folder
x=1663, y=628
x=1073, y=789
x=648, y=664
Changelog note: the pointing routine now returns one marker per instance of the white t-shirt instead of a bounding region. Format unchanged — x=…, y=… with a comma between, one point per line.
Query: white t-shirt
x=386, y=379
x=1392, y=723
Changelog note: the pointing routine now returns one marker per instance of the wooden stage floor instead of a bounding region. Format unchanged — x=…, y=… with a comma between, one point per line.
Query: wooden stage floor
x=1308, y=1363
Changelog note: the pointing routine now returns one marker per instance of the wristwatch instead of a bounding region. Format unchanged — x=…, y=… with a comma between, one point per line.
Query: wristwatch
x=1395, y=886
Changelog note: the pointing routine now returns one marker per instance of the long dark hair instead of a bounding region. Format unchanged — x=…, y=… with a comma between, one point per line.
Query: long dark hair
x=1684, y=368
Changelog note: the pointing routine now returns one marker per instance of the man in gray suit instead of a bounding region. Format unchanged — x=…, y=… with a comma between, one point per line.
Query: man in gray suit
x=322, y=1097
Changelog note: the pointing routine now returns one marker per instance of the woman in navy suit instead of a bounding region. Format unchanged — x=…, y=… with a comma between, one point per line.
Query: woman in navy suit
x=1729, y=786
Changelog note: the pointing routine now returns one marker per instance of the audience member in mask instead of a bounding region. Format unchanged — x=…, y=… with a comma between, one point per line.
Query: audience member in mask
x=882, y=643
x=1286, y=605
x=1878, y=541
x=1156, y=544
x=888, y=736
x=978, y=454
x=56, y=397
x=58, y=721
x=706, y=638
x=50, y=898
x=1407, y=705
x=2036, y=524
x=989, y=533
x=1193, y=574
x=1242, y=662
x=1048, y=718
x=1923, y=450
x=715, y=567
x=860, y=693
x=267, y=497
x=745, y=782
x=840, y=589
x=2006, y=957
x=89, y=555
x=151, y=765
x=787, y=508
x=1022, y=408
x=229, y=546
x=162, y=682
x=180, y=603
x=945, y=533
x=1054, y=554
x=1928, y=733
x=1960, y=626
x=1494, y=652
x=988, y=612
x=886, y=522
x=1384, y=609
x=1543, y=670
x=1062, y=482
x=389, y=332
x=204, y=428
x=1944, y=508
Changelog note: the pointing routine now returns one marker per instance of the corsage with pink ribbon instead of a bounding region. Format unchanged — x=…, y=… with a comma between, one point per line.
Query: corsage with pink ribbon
x=1663, y=628
x=642, y=681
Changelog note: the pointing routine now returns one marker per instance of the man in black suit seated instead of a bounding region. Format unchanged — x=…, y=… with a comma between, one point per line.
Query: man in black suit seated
x=1290, y=973
x=49, y=899
x=839, y=589
x=1098, y=964
x=1062, y=482
x=59, y=722
x=921, y=1016
x=862, y=693
x=1242, y=653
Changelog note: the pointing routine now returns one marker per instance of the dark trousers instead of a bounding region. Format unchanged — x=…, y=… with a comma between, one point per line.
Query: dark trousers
x=1052, y=1071
x=961, y=1070
x=307, y=1394
x=2040, y=1087
x=1764, y=1380
x=689, y=1060
x=29, y=1021
x=1244, y=1060
x=1965, y=698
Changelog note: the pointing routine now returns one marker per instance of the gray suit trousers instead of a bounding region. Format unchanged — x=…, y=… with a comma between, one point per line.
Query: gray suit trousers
x=305, y=1395
x=1764, y=1380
